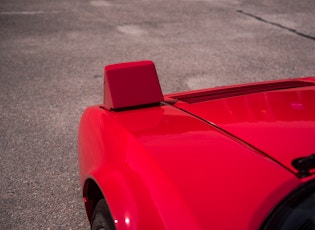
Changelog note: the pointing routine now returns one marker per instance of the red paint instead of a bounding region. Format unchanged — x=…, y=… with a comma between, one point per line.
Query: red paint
x=280, y=123
x=177, y=167
x=131, y=84
x=164, y=168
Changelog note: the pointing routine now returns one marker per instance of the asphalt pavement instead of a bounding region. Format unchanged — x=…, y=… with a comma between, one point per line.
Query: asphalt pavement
x=51, y=67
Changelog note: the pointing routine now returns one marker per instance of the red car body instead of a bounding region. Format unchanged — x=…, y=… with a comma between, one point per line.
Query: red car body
x=216, y=158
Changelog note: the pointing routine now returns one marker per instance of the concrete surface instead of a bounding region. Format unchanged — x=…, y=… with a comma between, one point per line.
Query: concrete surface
x=51, y=65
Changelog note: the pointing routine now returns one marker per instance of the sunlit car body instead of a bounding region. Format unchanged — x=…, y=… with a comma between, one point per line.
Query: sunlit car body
x=236, y=157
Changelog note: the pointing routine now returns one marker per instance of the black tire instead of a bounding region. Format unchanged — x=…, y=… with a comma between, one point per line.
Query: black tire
x=101, y=219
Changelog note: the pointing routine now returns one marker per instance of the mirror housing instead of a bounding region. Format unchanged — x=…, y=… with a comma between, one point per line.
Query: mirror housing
x=131, y=84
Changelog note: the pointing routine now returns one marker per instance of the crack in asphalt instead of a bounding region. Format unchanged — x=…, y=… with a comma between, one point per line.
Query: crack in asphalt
x=277, y=25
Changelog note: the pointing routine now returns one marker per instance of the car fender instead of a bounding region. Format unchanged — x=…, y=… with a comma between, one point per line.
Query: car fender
x=129, y=178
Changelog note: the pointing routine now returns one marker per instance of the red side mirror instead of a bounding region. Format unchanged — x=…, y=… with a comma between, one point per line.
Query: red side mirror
x=131, y=84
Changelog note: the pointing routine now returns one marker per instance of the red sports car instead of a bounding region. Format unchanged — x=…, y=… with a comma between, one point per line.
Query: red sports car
x=239, y=157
